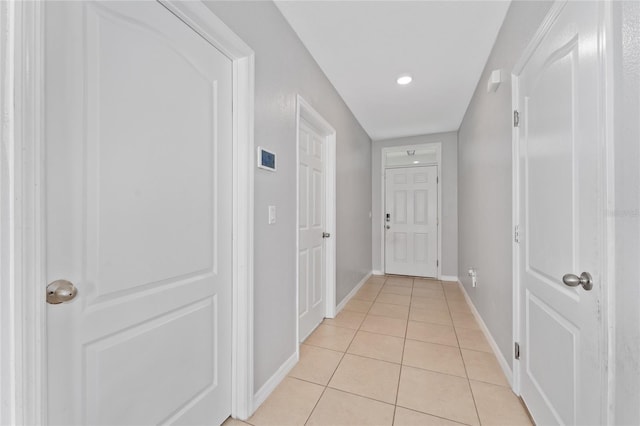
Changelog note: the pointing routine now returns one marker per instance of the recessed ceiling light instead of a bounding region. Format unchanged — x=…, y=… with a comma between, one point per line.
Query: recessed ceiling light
x=404, y=80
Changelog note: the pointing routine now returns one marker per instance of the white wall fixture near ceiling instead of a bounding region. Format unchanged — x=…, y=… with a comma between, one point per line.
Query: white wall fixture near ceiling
x=362, y=45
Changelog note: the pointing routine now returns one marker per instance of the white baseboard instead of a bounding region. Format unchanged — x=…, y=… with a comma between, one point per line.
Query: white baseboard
x=273, y=382
x=501, y=360
x=374, y=272
x=449, y=278
x=352, y=293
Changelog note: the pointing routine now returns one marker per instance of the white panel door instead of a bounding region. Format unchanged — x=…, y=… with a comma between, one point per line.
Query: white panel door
x=311, y=222
x=411, y=221
x=561, y=218
x=138, y=217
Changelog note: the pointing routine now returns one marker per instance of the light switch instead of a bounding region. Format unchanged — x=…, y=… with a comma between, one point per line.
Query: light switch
x=272, y=215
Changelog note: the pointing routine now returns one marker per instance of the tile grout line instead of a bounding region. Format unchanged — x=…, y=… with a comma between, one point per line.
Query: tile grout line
x=464, y=364
x=404, y=342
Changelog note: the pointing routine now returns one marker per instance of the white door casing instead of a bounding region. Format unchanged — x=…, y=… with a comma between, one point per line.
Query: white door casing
x=138, y=119
x=560, y=194
x=316, y=216
x=411, y=221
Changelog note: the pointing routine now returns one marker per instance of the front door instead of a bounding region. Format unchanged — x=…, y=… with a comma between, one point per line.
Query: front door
x=311, y=222
x=138, y=217
x=561, y=220
x=411, y=221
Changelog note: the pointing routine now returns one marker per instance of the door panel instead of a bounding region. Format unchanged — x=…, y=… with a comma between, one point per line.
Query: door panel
x=561, y=216
x=411, y=235
x=311, y=250
x=138, y=118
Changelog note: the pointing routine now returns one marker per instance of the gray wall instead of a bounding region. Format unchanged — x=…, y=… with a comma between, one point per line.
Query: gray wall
x=627, y=212
x=484, y=178
x=284, y=68
x=449, y=176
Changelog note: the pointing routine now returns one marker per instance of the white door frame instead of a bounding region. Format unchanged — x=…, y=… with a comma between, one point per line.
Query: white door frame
x=606, y=171
x=437, y=147
x=23, y=338
x=305, y=111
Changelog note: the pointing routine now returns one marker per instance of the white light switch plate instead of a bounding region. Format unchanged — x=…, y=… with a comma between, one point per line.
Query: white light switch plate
x=272, y=215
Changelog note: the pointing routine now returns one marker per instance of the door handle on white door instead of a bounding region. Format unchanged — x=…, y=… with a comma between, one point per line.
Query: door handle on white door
x=60, y=291
x=326, y=235
x=584, y=279
x=388, y=227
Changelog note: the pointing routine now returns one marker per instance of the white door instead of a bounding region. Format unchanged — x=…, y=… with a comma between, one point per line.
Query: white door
x=561, y=220
x=138, y=217
x=311, y=222
x=411, y=221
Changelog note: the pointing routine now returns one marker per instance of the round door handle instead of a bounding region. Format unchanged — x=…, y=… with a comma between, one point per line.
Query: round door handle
x=584, y=280
x=388, y=227
x=60, y=291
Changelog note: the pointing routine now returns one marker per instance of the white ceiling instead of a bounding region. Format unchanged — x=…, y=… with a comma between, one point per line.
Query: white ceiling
x=363, y=46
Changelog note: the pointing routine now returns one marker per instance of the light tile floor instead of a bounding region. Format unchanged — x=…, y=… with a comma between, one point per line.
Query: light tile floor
x=404, y=351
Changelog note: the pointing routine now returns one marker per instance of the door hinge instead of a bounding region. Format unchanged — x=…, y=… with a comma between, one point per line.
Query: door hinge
x=516, y=350
x=437, y=179
x=437, y=263
x=516, y=118
x=516, y=234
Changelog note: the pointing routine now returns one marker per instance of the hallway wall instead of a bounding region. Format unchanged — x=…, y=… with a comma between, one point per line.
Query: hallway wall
x=449, y=176
x=284, y=68
x=484, y=178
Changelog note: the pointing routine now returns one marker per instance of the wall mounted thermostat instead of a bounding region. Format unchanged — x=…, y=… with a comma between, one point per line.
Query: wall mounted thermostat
x=266, y=159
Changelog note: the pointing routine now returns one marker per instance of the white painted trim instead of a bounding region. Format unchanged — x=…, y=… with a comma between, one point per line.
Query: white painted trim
x=383, y=192
x=376, y=272
x=452, y=278
x=504, y=365
x=272, y=383
x=305, y=111
x=352, y=293
x=25, y=392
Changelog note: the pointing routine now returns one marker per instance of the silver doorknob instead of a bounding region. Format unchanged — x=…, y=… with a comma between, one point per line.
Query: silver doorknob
x=60, y=291
x=326, y=235
x=388, y=227
x=584, y=280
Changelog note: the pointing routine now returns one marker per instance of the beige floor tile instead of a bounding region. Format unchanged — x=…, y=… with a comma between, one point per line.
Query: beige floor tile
x=433, y=316
x=484, y=367
x=427, y=292
x=400, y=281
x=429, y=284
x=394, y=299
x=394, y=289
x=388, y=310
x=497, y=405
x=437, y=394
x=404, y=417
x=472, y=339
x=377, y=279
x=346, y=319
x=464, y=320
x=290, y=404
x=430, y=356
x=384, y=325
x=429, y=304
x=316, y=364
x=432, y=333
x=450, y=285
x=355, y=305
x=337, y=408
x=367, y=377
x=455, y=294
x=459, y=306
x=379, y=346
x=233, y=422
x=329, y=337
x=371, y=286
x=369, y=295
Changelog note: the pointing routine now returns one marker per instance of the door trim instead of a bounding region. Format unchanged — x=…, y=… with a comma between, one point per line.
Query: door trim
x=606, y=171
x=23, y=335
x=383, y=189
x=305, y=111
